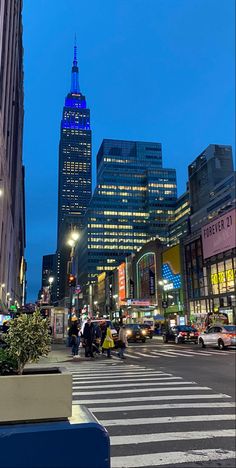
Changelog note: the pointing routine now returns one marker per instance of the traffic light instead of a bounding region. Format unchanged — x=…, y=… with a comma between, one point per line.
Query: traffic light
x=72, y=281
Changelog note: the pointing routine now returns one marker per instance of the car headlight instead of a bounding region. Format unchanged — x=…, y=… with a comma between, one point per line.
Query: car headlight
x=143, y=332
x=129, y=332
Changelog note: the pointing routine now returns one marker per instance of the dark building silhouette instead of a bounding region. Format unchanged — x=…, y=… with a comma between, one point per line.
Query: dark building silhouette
x=212, y=166
x=12, y=192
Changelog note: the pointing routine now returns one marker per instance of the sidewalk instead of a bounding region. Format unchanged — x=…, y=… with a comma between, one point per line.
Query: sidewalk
x=61, y=353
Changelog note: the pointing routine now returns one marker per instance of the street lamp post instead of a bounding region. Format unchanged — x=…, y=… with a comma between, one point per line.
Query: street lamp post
x=73, y=238
x=50, y=280
x=162, y=283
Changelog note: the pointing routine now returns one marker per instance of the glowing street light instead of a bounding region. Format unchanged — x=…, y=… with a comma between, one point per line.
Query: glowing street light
x=50, y=280
x=71, y=242
x=75, y=235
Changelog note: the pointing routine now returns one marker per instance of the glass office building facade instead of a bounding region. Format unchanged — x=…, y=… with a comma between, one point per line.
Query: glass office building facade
x=75, y=176
x=134, y=201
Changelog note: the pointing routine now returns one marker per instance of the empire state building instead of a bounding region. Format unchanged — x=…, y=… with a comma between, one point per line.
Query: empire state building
x=75, y=174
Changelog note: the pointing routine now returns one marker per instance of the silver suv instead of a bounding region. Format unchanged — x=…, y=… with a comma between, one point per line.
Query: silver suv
x=216, y=335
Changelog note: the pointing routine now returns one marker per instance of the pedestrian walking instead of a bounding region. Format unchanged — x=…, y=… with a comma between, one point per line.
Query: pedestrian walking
x=74, y=337
x=88, y=335
x=103, y=334
x=122, y=341
x=97, y=340
x=108, y=342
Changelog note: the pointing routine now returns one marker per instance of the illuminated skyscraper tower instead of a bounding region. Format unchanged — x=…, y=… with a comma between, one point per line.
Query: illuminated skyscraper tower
x=74, y=186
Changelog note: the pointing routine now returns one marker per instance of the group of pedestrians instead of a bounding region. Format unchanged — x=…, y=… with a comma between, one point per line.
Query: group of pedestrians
x=96, y=339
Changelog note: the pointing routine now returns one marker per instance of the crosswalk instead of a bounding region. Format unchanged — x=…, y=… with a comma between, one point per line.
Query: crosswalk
x=173, y=352
x=155, y=418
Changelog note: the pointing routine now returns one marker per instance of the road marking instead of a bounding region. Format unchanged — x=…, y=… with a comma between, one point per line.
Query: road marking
x=131, y=356
x=171, y=458
x=152, y=398
x=141, y=390
x=133, y=380
x=145, y=355
x=175, y=353
x=167, y=420
x=195, y=353
x=170, y=436
x=134, y=385
x=120, y=375
x=164, y=354
x=105, y=409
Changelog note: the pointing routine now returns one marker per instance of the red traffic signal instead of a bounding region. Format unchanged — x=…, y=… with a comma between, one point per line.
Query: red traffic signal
x=72, y=281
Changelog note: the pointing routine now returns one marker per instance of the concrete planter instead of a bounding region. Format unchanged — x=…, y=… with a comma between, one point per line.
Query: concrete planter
x=38, y=394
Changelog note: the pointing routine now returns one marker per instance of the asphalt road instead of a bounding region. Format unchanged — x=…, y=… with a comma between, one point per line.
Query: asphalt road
x=165, y=405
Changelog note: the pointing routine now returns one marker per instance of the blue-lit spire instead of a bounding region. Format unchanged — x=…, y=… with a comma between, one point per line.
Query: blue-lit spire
x=75, y=72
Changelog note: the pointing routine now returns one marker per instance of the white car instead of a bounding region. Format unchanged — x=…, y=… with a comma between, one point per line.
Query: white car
x=216, y=335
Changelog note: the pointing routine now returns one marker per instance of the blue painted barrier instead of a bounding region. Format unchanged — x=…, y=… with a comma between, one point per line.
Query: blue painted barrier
x=80, y=442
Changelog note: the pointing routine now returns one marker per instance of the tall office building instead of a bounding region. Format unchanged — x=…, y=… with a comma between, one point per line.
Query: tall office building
x=48, y=280
x=75, y=177
x=134, y=201
x=180, y=225
x=12, y=201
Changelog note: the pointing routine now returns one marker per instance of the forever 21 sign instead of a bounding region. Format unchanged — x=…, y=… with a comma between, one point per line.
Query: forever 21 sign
x=219, y=235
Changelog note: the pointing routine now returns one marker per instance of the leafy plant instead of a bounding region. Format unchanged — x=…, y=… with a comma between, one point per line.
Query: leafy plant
x=8, y=365
x=27, y=339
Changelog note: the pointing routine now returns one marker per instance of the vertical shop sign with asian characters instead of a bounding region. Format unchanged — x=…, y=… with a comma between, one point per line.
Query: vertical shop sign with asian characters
x=121, y=277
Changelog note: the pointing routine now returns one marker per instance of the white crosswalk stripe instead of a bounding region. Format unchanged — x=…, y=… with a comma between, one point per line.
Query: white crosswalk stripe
x=171, y=352
x=140, y=407
x=119, y=440
x=169, y=458
x=104, y=409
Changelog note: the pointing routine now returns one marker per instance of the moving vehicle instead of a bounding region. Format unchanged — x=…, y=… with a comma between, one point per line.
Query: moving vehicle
x=180, y=334
x=135, y=332
x=148, y=329
x=218, y=335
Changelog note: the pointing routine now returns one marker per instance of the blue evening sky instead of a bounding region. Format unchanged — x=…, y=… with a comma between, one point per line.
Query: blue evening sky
x=154, y=70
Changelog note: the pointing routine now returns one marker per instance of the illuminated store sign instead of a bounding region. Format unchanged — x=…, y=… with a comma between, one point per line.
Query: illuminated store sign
x=222, y=276
x=146, y=276
x=219, y=235
x=168, y=287
x=121, y=277
x=171, y=268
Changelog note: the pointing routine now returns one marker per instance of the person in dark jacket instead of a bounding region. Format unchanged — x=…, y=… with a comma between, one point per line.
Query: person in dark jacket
x=74, y=337
x=103, y=334
x=89, y=335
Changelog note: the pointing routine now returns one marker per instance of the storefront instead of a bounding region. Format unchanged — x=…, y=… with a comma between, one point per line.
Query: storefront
x=210, y=260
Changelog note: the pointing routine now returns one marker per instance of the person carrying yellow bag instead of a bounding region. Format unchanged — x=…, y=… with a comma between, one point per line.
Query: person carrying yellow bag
x=108, y=342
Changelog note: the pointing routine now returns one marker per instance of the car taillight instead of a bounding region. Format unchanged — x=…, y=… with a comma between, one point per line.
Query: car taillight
x=183, y=334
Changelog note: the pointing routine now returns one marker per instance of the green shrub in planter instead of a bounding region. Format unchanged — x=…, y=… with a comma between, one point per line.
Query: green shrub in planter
x=27, y=339
x=8, y=365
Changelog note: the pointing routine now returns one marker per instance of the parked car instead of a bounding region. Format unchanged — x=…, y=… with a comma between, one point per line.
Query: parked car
x=218, y=335
x=135, y=332
x=148, y=329
x=180, y=334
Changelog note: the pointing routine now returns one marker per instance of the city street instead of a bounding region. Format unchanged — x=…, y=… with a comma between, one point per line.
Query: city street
x=165, y=405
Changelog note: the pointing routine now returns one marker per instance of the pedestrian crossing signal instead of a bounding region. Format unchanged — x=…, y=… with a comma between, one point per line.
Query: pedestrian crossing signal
x=72, y=281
